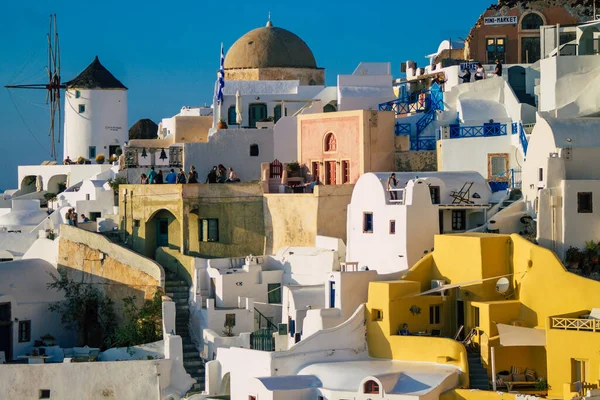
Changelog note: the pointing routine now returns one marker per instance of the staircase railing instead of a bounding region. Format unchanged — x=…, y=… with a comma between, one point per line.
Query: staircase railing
x=262, y=317
x=518, y=128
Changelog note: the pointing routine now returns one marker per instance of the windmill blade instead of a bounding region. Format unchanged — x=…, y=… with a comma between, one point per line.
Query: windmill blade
x=58, y=107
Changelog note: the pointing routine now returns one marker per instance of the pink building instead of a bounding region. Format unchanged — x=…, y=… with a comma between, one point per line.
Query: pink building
x=339, y=147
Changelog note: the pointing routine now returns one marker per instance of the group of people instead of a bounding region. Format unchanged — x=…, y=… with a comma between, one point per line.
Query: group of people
x=218, y=174
x=480, y=72
x=71, y=217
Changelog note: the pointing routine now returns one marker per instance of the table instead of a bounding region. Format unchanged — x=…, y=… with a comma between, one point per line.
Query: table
x=35, y=359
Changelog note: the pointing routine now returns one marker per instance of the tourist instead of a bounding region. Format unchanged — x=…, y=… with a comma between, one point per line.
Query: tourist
x=221, y=174
x=479, y=72
x=439, y=79
x=67, y=161
x=172, y=177
x=391, y=186
x=232, y=176
x=84, y=218
x=404, y=331
x=68, y=216
x=73, y=217
x=498, y=70
x=466, y=78
x=152, y=176
x=159, y=177
x=181, y=176
x=212, y=175
x=193, y=175
x=143, y=179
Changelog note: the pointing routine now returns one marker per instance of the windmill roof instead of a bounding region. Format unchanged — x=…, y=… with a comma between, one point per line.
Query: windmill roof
x=95, y=76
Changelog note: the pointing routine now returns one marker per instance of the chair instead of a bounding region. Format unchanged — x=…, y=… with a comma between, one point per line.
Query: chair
x=462, y=196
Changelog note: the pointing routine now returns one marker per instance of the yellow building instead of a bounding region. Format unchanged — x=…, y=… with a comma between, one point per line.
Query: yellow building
x=539, y=321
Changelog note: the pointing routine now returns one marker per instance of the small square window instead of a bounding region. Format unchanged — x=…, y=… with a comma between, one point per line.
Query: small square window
x=377, y=315
x=368, y=222
x=77, y=94
x=434, y=315
x=92, y=152
x=459, y=218
x=584, y=203
x=24, y=331
x=274, y=293
x=136, y=223
x=81, y=108
x=230, y=320
x=253, y=150
x=44, y=393
x=392, y=227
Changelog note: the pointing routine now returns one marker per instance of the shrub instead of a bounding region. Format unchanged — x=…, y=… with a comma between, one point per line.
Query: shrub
x=293, y=166
x=114, y=183
x=100, y=159
x=81, y=160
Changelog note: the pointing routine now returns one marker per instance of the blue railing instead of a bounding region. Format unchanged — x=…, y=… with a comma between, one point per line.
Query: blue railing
x=402, y=129
x=510, y=178
x=425, y=120
x=413, y=103
x=517, y=127
x=422, y=143
x=486, y=130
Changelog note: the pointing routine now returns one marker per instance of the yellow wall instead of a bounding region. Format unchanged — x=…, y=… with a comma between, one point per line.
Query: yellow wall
x=463, y=394
x=296, y=219
x=192, y=128
x=379, y=141
x=382, y=338
x=177, y=263
x=540, y=288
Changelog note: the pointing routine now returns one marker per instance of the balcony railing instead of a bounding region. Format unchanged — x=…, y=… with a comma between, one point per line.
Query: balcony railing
x=402, y=129
x=413, y=103
x=575, y=324
x=422, y=143
x=399, y=196
x=486, y=130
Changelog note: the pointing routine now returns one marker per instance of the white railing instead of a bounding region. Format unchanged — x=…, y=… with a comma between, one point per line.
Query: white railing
x=576, y=324
x=349, y=266
x=399, y=196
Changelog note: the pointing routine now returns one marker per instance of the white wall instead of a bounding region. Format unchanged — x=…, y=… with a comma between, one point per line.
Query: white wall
x=364, y=92
x=231, y=147
x=104, y=122
x=285, y=139
x=213, y=341
x=74, y=173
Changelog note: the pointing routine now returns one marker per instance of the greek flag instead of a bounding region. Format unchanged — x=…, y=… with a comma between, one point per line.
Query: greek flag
x=221, y=79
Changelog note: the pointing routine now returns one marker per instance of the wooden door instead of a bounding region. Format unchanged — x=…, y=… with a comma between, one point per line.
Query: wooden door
x=6, y=330
x=316, y=171
x=162, y=232
x=330, y=173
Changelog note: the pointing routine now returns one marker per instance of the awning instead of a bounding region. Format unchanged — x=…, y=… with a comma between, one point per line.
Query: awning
x=518, y=336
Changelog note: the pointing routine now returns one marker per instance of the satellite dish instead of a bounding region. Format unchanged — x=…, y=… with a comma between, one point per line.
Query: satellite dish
x=502, y=285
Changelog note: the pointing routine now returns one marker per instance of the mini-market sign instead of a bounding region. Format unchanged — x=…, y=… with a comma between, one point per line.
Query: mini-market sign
x=511, y=20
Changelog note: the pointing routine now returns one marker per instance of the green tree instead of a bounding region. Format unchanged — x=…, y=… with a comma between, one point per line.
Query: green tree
x=144, y=325
x=114, y=183
x=85, y=310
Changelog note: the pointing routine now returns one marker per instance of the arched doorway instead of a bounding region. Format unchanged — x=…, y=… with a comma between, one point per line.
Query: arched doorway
x=589, y=42
x=57, y=184
x=162, y=230
x=28, y=185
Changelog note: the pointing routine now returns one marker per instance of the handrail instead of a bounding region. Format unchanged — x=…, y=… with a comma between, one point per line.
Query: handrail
x=578, y=324
x=270, y=325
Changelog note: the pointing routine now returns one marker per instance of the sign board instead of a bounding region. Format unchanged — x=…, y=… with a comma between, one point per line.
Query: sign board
x=471, y=66
x=508, y=20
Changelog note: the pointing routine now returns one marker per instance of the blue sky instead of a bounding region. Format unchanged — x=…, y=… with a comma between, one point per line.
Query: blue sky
x=167, y=53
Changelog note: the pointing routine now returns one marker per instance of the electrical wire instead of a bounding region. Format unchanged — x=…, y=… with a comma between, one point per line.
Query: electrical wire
x=25, y=123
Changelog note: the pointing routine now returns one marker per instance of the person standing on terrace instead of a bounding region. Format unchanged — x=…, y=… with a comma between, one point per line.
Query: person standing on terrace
x=391, y=186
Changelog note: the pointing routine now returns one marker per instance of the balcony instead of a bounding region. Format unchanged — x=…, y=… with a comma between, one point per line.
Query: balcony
x=399, y=196
x=485, y=130
x=575, y=324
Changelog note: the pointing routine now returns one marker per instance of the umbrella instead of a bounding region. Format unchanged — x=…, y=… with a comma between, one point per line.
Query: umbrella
x=238, y=108
x=38, y=183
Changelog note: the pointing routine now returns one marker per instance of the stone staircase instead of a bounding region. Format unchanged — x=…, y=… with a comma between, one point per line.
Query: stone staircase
x=178, y=290
x=478, y=376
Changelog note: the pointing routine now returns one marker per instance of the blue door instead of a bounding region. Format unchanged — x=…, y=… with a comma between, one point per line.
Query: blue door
x=332, y=294
x=256, y=113
x=162, y=232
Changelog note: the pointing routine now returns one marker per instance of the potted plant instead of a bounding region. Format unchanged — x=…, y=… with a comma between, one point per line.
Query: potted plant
x=113, y=158
x=573, y=257
x=228, y=331
x=48, y=339
x=293, y=168
x=80, y=160
x=100, y=159
x=221, y=124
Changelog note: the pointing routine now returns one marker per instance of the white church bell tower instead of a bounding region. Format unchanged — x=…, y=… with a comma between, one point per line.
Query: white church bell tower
x=95, y=114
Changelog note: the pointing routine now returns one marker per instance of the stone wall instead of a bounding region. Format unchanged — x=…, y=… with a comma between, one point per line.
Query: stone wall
x=304, y=75
x=116, y=271
x=409, y=161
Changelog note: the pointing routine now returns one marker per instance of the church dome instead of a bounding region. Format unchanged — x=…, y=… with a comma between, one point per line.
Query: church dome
x=269, y=47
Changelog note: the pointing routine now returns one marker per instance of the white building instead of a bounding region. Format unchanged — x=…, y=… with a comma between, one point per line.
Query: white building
x=95, y=114
x=390, y=235
x=561, y=181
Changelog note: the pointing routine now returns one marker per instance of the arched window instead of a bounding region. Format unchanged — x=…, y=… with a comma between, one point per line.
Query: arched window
x=253, y=150
x=531, y=21
x=371, y=387
x=330, y=142
x=329, y=108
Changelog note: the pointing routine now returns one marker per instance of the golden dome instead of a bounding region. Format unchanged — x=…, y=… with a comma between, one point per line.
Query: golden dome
x=269, y=47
